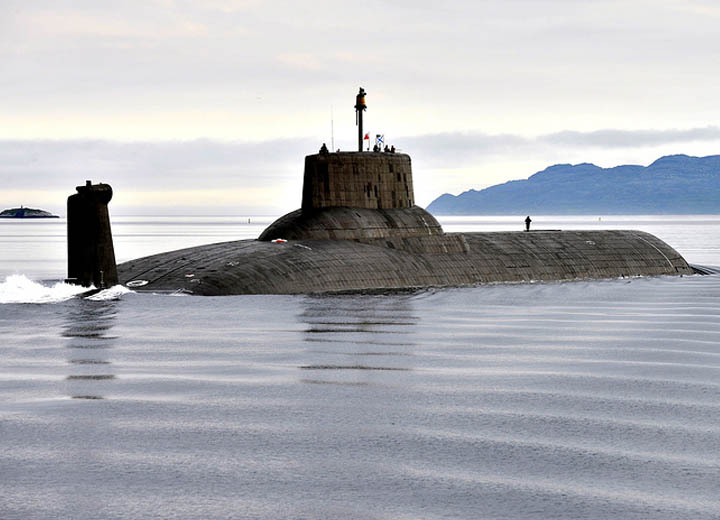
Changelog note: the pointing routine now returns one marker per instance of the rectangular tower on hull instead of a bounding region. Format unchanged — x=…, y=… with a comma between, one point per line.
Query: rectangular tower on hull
x=371, y=180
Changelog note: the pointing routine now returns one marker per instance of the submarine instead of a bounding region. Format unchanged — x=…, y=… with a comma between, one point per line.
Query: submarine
x=359, y=230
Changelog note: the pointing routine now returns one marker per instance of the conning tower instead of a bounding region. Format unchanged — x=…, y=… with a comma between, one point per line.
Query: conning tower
x=371, y=180
x=355, y=196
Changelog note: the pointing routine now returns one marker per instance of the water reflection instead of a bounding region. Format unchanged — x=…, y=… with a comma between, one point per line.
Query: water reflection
x=88, y=343
x=350, y=339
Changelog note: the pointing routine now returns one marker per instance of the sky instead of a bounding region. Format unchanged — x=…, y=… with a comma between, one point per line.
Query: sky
x=208, y=107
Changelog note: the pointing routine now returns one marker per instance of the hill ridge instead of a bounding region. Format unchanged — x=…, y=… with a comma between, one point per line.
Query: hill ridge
x=678, y=183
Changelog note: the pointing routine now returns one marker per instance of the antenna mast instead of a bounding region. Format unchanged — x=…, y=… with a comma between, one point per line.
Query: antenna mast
x=360, y=107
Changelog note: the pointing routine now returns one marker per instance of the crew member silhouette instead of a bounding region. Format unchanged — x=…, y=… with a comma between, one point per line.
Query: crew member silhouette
x=527, y=223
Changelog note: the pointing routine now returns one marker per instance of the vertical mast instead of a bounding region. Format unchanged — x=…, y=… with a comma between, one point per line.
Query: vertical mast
x=360, y=107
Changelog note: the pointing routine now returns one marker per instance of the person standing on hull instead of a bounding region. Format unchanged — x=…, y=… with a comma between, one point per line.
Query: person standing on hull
x=527, y=223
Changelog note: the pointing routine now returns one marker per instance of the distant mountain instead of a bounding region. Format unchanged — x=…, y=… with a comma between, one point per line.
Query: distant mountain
x=673, y=184
x=22, y=212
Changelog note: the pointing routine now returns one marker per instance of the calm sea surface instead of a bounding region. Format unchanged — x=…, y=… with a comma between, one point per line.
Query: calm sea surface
x=579, y=400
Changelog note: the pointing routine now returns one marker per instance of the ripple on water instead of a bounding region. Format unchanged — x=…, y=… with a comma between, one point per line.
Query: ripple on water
x=563, y=400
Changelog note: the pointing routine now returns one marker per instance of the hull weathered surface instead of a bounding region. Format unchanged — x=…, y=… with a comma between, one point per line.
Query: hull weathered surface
x=353, y=224
x=392, y=263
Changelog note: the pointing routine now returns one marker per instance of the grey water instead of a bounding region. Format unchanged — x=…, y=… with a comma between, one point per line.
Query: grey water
x=567, y=400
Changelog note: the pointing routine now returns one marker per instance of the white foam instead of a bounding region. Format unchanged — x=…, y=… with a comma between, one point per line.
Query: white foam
x=113, y=293
x=18, y=288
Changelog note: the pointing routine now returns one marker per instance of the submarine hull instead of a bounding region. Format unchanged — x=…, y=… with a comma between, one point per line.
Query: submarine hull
x=397, y=263
x=358, y=230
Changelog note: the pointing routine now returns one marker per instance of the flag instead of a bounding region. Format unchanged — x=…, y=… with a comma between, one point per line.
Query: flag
x=367, y=136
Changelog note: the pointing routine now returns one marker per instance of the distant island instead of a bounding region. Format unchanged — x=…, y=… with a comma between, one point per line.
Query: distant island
x=675, y=184
x=22, y=212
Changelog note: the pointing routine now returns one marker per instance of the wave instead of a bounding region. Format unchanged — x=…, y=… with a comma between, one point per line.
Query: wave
x=705, y=269
x=112, y=293
x=18, y=288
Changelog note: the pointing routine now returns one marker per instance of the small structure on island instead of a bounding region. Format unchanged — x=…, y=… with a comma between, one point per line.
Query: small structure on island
x=359, y=229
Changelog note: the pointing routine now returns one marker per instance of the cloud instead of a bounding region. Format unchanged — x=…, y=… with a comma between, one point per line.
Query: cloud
x=164, y=176
x=461, y=148
x=631, y=138
x=269, y=173
x=200, y=164
x=302, y=60
x=204, y=163
x=83, y=68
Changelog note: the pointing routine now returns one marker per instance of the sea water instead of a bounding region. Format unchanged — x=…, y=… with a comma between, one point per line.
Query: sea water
x=590, y=399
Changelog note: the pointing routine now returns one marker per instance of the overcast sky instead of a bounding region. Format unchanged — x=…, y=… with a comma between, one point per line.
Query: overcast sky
x=210, y=106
